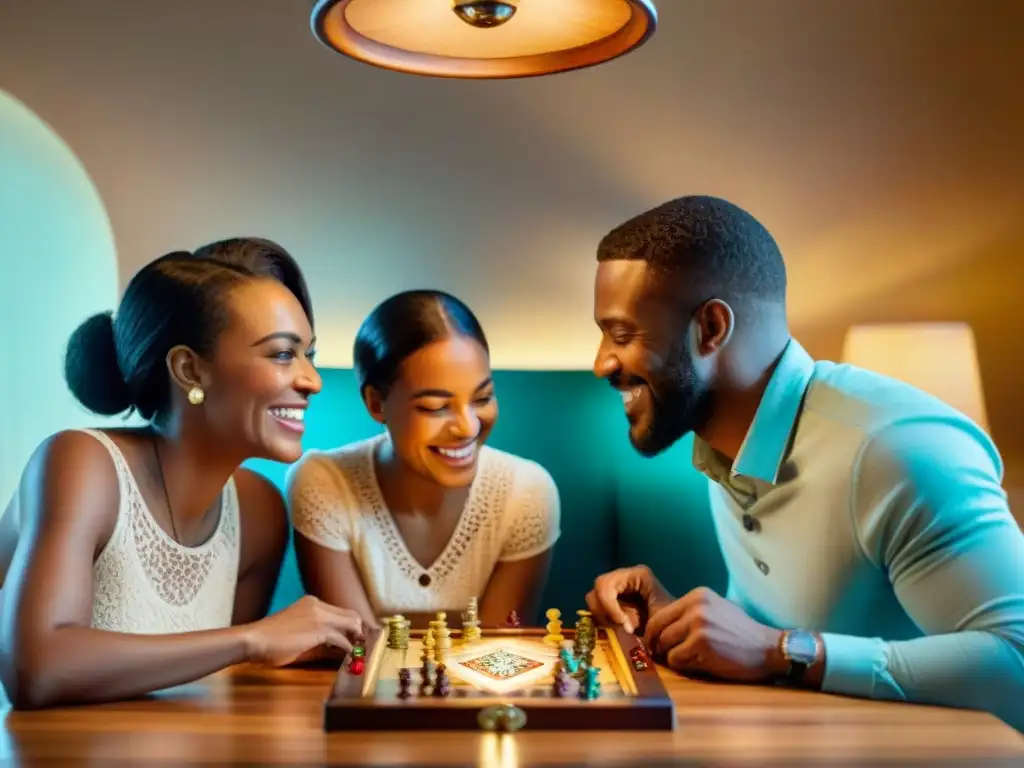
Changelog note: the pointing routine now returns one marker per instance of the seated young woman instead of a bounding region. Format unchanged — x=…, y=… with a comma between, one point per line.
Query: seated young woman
x=425, y=516
x=136, y=559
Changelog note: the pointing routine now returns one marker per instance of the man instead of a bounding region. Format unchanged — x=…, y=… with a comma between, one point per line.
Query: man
x=844, y=502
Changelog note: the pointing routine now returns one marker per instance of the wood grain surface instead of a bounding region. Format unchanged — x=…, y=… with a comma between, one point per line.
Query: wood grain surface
x=254, y=716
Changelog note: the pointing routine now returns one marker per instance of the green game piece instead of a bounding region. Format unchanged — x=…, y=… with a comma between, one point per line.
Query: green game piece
x=358, y=651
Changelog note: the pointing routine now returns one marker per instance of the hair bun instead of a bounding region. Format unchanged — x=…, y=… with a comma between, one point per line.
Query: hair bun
x=91, y=368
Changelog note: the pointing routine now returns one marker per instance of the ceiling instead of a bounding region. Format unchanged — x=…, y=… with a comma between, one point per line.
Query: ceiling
x=880, y=141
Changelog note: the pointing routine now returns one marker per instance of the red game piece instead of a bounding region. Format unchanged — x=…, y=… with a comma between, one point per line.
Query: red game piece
x=513, y=619
x=356, y=667
x=639, y=656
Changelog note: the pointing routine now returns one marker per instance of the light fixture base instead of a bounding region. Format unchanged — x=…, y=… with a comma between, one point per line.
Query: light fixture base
x=484, y=14
x=473, y=39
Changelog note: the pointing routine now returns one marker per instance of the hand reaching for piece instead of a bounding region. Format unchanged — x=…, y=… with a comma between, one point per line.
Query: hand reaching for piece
x=303, y=631
x=627, y=596
x=705, y=633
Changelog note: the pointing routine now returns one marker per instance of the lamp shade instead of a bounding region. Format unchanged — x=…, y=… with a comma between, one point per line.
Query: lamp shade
x=484, y=39
x=938, y=358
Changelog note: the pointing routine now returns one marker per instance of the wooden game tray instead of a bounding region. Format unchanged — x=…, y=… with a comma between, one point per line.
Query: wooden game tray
x=631, y=699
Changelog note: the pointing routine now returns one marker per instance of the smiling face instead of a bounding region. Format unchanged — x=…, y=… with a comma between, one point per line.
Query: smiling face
x=440, y=410
x=646, y=354
x=260, y=377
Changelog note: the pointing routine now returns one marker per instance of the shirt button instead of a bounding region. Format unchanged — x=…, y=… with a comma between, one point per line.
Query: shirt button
x=751, y=524
x=762, y=566
x=424, y=579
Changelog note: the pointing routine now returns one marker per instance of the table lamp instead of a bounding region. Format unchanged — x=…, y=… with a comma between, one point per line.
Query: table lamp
x=938, y=358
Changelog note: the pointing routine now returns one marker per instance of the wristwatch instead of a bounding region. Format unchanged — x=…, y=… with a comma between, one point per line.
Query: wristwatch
x=802, y=650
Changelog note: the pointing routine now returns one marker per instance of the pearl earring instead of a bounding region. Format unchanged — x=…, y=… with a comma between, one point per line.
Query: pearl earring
x=196, y=395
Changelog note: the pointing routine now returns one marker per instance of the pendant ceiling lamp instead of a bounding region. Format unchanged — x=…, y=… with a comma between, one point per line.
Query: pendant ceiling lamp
x=483, y=38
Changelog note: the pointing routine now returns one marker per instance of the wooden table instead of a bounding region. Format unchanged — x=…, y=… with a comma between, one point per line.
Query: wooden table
x=253, y=716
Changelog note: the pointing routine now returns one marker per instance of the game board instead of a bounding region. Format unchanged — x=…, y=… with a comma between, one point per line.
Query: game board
x=501, y=680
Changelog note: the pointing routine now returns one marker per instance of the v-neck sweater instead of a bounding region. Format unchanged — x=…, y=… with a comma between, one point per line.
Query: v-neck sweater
x=512, y=513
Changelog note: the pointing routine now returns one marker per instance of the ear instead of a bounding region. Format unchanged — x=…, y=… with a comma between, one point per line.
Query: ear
x=715, y=324
x=374, y=403
x=186, y=368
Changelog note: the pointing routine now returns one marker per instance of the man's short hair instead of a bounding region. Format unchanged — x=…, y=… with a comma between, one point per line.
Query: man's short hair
x=721, y=250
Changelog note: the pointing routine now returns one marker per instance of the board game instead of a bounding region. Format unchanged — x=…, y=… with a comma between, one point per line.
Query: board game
x=508, y=678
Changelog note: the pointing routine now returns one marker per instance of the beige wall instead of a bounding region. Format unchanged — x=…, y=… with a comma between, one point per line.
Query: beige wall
x=985, y=289
x=880, y=141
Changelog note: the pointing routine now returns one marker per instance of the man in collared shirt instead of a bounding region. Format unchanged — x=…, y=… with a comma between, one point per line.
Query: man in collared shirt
x=868, y=540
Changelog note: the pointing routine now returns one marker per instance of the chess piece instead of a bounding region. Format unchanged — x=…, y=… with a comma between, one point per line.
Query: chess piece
x=442, y=637
x=358, y=661
x=442, y=684
x=428, y=643
x=427, y=671
x=554, y=627
x=513, y=619
x=404, y=683
x=471, y=623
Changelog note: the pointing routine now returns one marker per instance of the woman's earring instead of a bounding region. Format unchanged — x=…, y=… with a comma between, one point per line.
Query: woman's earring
x=196, y=395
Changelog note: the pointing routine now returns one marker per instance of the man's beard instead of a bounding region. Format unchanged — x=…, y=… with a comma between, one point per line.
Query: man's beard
x=680, y=403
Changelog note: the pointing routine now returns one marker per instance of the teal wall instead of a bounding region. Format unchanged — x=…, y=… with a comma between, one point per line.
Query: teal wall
x=617, y=508
x=58, y=266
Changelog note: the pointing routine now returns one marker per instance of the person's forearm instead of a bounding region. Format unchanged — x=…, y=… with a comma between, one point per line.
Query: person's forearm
x=79, y=665
x=974, y=670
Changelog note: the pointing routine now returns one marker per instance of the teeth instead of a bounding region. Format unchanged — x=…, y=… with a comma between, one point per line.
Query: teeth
x=289, y=414
x=629, y=395
x=458, y=453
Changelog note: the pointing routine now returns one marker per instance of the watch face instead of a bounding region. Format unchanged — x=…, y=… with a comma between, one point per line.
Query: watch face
x=801, y=647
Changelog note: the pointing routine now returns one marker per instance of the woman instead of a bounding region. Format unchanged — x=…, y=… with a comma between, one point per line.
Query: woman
x=143, y=558
x=424, y=517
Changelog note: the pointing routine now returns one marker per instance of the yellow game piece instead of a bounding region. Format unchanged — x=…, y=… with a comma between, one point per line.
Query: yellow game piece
x=398, y=632
x=554, y=627
x=442, y=638
x=428, y=643
x=470, y=623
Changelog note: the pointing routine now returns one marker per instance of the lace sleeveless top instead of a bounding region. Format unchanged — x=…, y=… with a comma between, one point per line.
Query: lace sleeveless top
x=512, y=513
x=144, y=582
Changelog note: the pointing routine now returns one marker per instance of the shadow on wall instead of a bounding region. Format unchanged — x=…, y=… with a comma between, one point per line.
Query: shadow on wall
x=986, y=291
x=59, y=266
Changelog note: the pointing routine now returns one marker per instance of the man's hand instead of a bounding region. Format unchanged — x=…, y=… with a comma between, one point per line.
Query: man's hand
x=627, y=596
x=703, y=632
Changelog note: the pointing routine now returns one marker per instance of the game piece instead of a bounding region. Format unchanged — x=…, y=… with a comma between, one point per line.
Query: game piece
x=427, y=677
x=591, y=688
x=442, y=637
x=513, y=619
x=398, y=632
x=471, y=623
x=442, y=684
x=585, y=637
x=554, y=627
x=428, y=643
x=639, y=656
x=566, y=687
x=358, y=661
x=568, y=662
x=404, y=683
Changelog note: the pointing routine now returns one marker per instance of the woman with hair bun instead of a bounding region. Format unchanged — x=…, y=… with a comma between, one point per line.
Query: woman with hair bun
x=424, y=517
x=143, y=558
